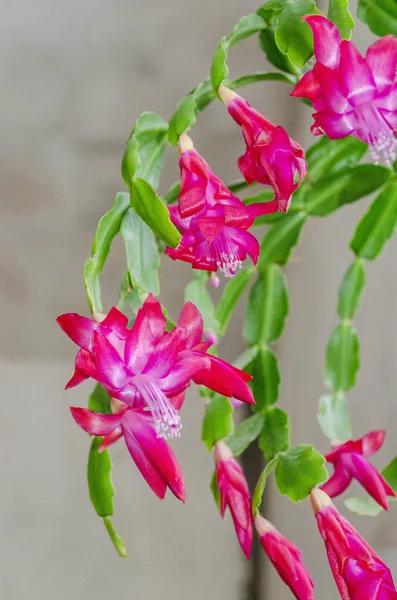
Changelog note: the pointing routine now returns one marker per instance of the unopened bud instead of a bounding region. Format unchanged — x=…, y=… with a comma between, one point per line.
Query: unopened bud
x=222, y=452
x=214, y=280
x=185, y=143
x=319, y=500
x=226, y=94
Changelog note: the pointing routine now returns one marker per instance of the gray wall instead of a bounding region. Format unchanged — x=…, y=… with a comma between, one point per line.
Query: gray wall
x=74, y=76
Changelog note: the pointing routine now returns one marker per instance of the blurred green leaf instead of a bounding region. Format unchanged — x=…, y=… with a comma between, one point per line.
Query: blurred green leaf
x=99, y=400
x=99, y=476
x=143, y=259
x=342, y=358
x=217, y=422
x=151, y=209
x=246, y=26
x=230, y=296
x=91, y=284
x=293, y=37
x=260, y=486
x=108, y=227
x=131, y=160
x=261, y=76
x=173, y=193
x=245, y=434
x=183, y=118
x=363, y=505
x=338, y=13
x=276, y=433
x=266, y=378
x=379, y=15
x=329, y=156
x=279, y=241
x=333, y=417
x=219, y=68
x=377, y=225
x=351, y=290
x=246, y=357
x=390, y=474
x=215, y=491
x=267, y=307
x=270, y=10
x=117, y=541
x=268, y=44
x=197, y=293
x=298, y=471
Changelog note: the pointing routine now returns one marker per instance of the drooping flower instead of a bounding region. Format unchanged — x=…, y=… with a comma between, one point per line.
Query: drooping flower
x=359, y=572
x=353, y=95
x=271, y=157
x=213, y=221
x=286, y=558
x=234, y=494
x=151, y=454
x=350, y=462
x=145, y=366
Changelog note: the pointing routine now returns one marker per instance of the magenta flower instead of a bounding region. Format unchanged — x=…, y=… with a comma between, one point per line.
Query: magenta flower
x=286, y=558
x=234, y=494
x=212, y=220
x=358, y=571
x=151, y=454
x=145, y=366
x=350, y=462
x=353, y=95
x=272, y=157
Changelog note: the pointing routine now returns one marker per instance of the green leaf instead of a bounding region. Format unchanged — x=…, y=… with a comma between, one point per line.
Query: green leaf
x=245, y=434
x=342, y=358
x=99, y=475
x=217, y=422
x=183, y=118
x=267, y=307
x=230, y=296
x=299, y=470
x=219, y=68
x=261, y=76
x=108, y=227
x=268, y=45
x=99, y=400
x=117, y=541
x=151, y=209
x=150, y=131
x=333, y=417
x=143, y=259
x=260, y=486
x=215, y=491
x=344, y=187
x=203, y=94
x=338, y=13
x=197, y=293
x=266, y=378
x=275, y=434
x=270, y=10
x=246, y=26
x=329, y=156
x=173, y=193
x=131, y=160
x=293, y=37
x=377, y=225
x=390, y=474
x=279, y=241
x=379, y=15
x=351, y=290
x=91, y=284
x=363, y=505
x=246, y=357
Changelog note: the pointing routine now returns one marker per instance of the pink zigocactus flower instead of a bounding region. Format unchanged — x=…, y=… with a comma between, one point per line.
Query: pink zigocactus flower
x=350, y=462
x=359, y=572
x=352, y=95
x=146, y=366
x=287, y=559
x=151, y=454
x=272, y=157
x=234, y=494
x=213, y=221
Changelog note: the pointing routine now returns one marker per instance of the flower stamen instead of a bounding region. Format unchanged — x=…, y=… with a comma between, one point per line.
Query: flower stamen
x=167, y=421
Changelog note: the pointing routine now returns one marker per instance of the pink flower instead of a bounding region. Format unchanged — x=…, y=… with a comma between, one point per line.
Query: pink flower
x=272, y=157
x=286, y=558
x=212, y=220
x=358, y=571
x=145, y=366
x=350, y=462
x=352, y=95
x=151, y=454
x=234, y=494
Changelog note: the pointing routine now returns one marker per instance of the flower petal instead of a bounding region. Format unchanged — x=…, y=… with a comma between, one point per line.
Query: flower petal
x=355, y=76
x=308, y=87
x=225, y=379
x=372, y=442
x=258, y=209
x=194, y=180
x=246, y=241
x=334, y=96
x=95, y=423
x=338, y=482
x=115, y=318
x=333, y=125
x=109, y=367
x=381, y=58
x=327, y=40
x=191, y=323
x=184, y=370
x=79, y=329
x=111, y=439
x=371, y=480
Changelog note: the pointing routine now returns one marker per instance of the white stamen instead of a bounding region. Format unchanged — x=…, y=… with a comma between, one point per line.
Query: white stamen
x=167, y=421
x=384, y=149
x=373, y=127
x=228, y=264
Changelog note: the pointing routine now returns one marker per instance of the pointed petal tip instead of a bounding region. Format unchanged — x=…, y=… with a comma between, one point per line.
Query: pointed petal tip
x=319, y=500
x=185, y=143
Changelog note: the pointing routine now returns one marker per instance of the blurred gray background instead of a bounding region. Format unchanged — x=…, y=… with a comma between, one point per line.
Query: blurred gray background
x=74, y=77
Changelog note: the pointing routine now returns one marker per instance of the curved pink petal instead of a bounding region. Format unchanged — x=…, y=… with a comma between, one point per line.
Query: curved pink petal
x=109, y=366
x=184, y=370
x=115, y=318
x=308, y=87
x=111, y=439
x=84, y=368
x=191, y=323
x=390, y=118
x=181, y=253
x=182, y=223
x=327, y=40
x=194, y=180
x=334, y=96
x=355, y=76
x=221, y=377
x=152, y=310
x=164, y=356
x=246, y=241
x=333, y=125
x=341, y=449
x=140, y=343
x=371, y=480
x=79, y=329
x=178, y=400
x=372, y=442
x=338, y=482
x=388, y=101
x=95, y=423
x=381, y=58
x=237, y=215
x=258, y=209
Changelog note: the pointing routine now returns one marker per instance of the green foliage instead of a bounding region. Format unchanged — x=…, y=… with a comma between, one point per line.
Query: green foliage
x=151, y=209
x=143, y=259
x=279, y=241
x=342, y=358
x=363, y=505
x=390, y=474
x=377, y=225
x=108, y=227
x=245, y=27
x=219, y=68
x=99, y=476
x=230, y=296
x=218, y=421
x=338, y=13
x=329, y=156
x=245, y=434
x=117, y=541
x=92, y=286
x=215, y=491
x=298, y=471
x=333, y=417
x=266, y=378
x=197, y=293
x=275, y=434
x=260, y=486
x=99, y=400
x=379, y=15
x=183, y=118
x=351, y=289
x=267, y=307
x=268, y=44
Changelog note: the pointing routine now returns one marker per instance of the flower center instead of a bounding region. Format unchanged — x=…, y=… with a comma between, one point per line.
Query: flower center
x=375, y=130
x=167, y=421
x=226, y=255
